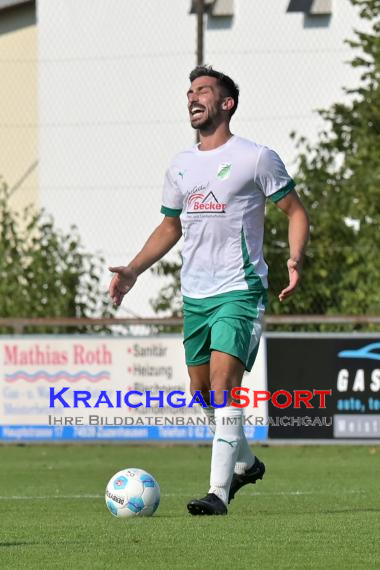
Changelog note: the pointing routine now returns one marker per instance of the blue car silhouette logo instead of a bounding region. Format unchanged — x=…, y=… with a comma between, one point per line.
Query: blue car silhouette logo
x=371, y=351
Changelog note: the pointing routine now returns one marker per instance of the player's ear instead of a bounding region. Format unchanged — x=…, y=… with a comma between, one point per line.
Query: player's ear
x=228, y=104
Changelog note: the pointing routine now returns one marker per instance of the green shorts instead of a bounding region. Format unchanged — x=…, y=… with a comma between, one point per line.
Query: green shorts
x=229, y=322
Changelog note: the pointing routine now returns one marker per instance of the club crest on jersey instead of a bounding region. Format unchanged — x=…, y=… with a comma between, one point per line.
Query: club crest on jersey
x=200, y=203
x=224, y=170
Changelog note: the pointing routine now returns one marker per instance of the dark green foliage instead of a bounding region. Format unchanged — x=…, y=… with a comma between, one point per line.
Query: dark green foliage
x=169, y=298
x=339, y=182
x=45, y=272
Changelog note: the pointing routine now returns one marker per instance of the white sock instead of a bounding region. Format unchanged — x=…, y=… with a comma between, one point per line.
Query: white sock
x=225, y=449
x=245, y=458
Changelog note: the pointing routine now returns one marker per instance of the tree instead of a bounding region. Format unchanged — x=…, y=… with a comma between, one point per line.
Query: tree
x=169, y=298
x=45, y=272
x=338, y=179
x=339, y=182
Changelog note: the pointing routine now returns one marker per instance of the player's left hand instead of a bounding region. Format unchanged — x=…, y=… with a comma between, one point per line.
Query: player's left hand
x=294, y=270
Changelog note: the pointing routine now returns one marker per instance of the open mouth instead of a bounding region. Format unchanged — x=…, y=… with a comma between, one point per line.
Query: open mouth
x=196, y=111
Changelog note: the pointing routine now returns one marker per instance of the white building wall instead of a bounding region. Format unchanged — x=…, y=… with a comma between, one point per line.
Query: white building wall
x=287, y=65
x=113, y=81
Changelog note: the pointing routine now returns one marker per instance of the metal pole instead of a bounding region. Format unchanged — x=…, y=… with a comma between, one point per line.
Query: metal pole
x=200, y=32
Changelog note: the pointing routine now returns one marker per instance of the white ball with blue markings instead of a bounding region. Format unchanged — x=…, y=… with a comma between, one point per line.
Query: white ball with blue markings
x=132, y=492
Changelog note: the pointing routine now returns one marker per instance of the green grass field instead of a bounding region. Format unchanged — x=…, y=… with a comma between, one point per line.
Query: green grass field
x=317, y=507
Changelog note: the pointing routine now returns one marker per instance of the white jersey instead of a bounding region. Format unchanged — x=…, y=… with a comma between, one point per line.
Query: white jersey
x=220, y=196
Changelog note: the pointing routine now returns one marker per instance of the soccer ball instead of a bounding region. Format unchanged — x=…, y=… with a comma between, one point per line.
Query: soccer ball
x=132, y=492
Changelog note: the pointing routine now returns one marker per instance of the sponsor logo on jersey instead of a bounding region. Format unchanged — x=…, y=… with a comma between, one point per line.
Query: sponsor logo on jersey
x=199, y=203
x=224, y=170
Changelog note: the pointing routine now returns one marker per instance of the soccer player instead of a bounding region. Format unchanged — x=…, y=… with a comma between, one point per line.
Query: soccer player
x=214, y=195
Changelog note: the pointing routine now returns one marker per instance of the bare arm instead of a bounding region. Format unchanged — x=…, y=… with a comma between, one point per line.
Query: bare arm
x=164, y=237
x=298, y=236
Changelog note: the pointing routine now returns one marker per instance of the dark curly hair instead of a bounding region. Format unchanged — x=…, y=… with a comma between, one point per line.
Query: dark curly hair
x=223, y=80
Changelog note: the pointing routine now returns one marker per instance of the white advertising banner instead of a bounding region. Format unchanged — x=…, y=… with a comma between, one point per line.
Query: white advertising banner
x=92, y=388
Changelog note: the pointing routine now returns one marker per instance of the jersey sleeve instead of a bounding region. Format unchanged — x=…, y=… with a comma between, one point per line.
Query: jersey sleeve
x=272, y=177
x=171, y=196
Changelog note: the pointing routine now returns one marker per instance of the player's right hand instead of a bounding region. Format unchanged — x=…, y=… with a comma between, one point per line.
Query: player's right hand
x=121, y=283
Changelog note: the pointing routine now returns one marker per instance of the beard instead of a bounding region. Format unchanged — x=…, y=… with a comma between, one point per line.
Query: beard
x=209, y=123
